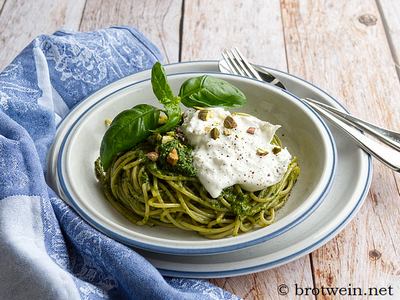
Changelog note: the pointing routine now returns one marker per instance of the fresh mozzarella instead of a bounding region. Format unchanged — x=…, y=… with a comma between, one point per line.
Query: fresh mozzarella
x=242, y=155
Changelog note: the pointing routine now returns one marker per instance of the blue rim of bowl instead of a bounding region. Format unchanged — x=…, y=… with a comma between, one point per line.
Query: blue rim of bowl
x=200, y=251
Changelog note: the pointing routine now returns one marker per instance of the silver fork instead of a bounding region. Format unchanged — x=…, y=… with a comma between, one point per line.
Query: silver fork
x=388, y=151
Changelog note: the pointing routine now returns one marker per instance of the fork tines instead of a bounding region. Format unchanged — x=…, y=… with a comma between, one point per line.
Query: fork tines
x=239, y=64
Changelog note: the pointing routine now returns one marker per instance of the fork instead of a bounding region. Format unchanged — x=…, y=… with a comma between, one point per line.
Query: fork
x=388, y=151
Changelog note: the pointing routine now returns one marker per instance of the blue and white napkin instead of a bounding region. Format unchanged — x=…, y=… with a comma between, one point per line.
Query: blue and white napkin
x=46, y=250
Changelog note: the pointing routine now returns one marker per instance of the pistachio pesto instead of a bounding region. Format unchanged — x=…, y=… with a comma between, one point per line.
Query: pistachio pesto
x=184, y=164
x=240, y=203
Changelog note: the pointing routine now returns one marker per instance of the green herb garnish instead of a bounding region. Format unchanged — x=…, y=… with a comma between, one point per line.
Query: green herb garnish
x=128, y=128
x=134, y=125
x=207, y=91
x=164, y=94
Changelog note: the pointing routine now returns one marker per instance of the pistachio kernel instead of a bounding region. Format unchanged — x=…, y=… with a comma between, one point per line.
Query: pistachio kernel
x=226, y=132
x=171, y=133
x=107, y=122
x=251, y=130
x=229, y=122
x=207, y=129
x=261, y=152
x=153, y=156
x=162, y=119
x=158, y=137
x=276, y=150
x=214, y=133
x=173, y=157
x=204, y=114
x=166, y=138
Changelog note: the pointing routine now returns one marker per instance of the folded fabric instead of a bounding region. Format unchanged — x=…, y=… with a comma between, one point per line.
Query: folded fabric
x=47, y=251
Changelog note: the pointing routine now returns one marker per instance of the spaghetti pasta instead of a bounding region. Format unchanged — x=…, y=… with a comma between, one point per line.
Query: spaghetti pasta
x=148, y=195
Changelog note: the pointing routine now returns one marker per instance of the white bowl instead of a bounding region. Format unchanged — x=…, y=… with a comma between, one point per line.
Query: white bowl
x=303, y=132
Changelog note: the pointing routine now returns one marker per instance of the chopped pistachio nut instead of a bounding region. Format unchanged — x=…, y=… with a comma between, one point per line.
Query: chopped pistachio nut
x=276, y=150
x=204, y=114
x=107, y=122
x=153, y=156
x=214, y=133
x=166, y=139
x=171, y=133
x=226, y=132
x=261, y=152
x=229, y=122
x=173, y=157
x=158, y=137
x=207, y=129
x=162, y=119
x=251, y=130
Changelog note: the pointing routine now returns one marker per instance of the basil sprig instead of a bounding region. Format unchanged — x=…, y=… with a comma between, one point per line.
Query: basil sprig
x=134, y=125
x=128, y=128
x=207, y=91
x=164, y=94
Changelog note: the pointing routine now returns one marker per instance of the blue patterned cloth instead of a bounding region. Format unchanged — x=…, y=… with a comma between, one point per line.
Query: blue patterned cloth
x=46, y=250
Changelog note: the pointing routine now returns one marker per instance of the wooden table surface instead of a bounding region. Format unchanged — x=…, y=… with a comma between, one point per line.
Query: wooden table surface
x=348, y=48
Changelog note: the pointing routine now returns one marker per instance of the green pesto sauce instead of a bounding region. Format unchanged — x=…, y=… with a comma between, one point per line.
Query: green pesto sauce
x=184, y=166
x=240, y=203
x=144, y=177
x=215, y=203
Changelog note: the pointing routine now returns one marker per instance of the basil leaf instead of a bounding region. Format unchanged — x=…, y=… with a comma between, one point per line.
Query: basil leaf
x=164, y=94
x=207, y=91
x=160, y=85
x=128, y=128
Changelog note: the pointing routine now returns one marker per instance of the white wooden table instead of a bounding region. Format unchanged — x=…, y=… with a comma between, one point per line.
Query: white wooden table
x=348, y=48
